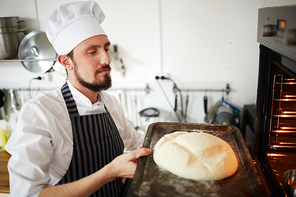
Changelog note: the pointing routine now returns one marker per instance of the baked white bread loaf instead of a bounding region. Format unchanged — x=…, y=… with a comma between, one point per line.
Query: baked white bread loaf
x=197, y=156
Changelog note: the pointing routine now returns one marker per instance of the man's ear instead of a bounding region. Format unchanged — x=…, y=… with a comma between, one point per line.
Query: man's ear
x=66, y=61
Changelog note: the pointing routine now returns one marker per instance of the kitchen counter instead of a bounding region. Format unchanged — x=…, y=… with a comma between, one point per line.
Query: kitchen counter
x=4, y=178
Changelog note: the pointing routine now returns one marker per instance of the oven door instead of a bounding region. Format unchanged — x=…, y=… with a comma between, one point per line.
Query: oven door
x=275, y=134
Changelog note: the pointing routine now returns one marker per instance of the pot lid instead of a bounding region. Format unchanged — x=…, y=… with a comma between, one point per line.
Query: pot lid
x=35, y=46
x=59, y=68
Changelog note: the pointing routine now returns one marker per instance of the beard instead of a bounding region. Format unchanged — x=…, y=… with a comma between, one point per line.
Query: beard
x=96, y=86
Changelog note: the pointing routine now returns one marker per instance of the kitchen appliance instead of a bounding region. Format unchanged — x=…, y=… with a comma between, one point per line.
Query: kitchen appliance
x=275, y=130
x=9, y=37
x=224, y=116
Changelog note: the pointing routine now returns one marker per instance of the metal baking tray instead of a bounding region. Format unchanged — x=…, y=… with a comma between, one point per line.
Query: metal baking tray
x=151, y=180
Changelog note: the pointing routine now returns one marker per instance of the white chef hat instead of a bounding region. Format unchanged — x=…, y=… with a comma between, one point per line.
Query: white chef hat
x=72, y=23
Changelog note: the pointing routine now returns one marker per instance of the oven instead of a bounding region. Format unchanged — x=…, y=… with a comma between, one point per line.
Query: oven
x=274, y=150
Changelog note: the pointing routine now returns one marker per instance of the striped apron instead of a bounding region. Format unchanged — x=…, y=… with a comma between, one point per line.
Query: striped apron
x=96, y=142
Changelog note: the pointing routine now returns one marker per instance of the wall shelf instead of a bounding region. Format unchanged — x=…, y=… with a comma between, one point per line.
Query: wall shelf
x=27, y=60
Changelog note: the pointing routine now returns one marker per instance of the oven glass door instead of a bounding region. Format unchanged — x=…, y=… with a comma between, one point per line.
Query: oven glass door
x=280, y=136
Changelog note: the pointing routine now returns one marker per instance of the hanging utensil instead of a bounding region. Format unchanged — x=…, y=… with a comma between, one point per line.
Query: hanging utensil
x=205, y=101
x=9, y=105
x=209, y=117
x=17, y=99
x=2, y=98
x=126, y=106
x=176, y=103
x=2, y=101
x=119, y=92
x=136, y=114
x=186, y=107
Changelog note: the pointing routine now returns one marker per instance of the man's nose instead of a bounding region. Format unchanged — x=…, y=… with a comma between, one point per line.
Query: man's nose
x=105, y=58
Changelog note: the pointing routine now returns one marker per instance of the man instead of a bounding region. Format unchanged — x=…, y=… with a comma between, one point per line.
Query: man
x=69, y=142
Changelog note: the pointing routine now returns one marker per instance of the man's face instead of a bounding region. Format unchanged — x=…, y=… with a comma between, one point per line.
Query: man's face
x=91, y=63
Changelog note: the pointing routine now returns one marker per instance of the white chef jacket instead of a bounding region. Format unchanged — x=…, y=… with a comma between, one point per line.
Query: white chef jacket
x=42, y=144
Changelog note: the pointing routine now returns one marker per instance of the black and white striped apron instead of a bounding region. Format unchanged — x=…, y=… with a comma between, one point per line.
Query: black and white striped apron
x=96, y=142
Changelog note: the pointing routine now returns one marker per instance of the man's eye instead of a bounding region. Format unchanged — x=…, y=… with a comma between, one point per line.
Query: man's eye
x=91, y=52
x=107, y=50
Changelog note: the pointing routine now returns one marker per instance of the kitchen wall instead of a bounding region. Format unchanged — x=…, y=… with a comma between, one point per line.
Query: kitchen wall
x=201, y=45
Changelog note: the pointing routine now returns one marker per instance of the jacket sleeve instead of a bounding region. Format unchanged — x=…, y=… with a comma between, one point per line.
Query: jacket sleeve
x=31, y=152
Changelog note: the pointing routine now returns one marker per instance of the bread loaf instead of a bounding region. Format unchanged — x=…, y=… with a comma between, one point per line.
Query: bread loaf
x=197, y=156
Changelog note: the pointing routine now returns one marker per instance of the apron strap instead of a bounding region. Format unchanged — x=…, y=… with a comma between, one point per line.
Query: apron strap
x=70, y=102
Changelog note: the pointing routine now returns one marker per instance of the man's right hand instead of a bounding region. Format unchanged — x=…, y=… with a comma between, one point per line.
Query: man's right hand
x=125, y=165
x=122, y=166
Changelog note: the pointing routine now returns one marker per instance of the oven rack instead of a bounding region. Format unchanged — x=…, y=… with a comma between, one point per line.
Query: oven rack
x=282, y=126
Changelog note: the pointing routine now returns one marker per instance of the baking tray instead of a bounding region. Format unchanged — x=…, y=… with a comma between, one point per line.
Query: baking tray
x=151, y=180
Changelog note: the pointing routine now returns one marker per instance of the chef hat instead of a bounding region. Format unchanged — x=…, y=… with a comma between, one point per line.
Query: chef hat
x=72, y=23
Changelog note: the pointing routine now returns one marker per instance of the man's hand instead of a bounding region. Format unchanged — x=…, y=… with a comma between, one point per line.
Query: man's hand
x=122, y=166
x=125, y=165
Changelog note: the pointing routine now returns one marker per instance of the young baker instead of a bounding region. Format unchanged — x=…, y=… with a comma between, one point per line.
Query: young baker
x=70, y=141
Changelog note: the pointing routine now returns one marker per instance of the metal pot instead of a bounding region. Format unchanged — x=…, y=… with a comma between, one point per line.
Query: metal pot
x=9, y=38
x=290, y=182
x=224, y=116
x=8, y=45
x=10, y=21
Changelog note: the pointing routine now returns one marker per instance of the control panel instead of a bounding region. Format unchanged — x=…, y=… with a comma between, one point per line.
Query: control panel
x=277, y=29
